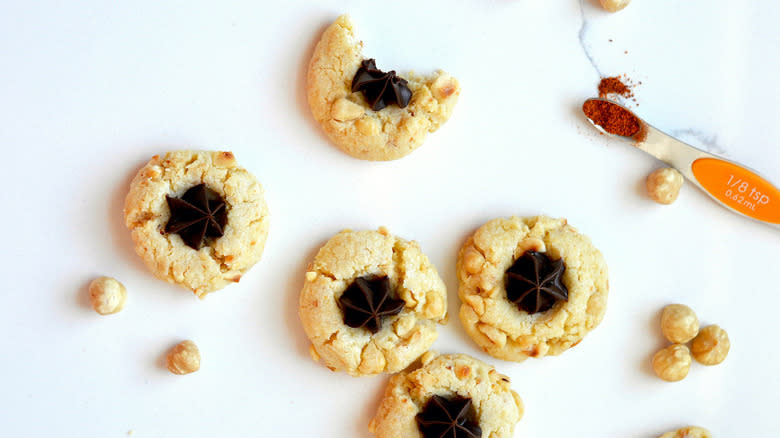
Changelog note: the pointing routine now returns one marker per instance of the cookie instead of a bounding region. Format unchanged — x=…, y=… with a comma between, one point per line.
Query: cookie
x=688, y=432
x=349, y=120
x=416, y=402
x=370, y=303
x=530, y=287
x=219, y=223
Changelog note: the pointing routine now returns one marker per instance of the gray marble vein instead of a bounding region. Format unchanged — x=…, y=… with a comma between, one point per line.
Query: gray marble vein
x=703, y=140
x=581, y=36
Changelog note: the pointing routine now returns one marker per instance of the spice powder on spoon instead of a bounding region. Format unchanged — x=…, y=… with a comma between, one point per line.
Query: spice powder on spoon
x=611, y=118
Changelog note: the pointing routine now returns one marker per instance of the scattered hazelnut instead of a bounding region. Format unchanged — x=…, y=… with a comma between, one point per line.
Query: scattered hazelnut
x=688, y=432
x=184, y=358
x=679, y=324
x=672, y=363
x=663, y=185
x=107, y=295
x=711, y=346
x=614, y=5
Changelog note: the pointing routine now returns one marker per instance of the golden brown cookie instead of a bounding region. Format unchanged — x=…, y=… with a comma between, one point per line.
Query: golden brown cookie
x=400, y=337
x=501, y=327
x=215, y=261
x=688, y=432
x=347, y=118
x=453, y=377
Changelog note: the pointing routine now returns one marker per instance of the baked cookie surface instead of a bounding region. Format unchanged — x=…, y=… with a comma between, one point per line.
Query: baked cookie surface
x=221, y=260
x=497, y=324
x=497, y=407
x=347, y=118
x=688, y=432
x=402, y=337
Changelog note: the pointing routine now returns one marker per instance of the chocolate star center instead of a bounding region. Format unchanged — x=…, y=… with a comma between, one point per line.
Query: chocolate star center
x=367, y=301
x=448, y=418
x=381, y=89
x=534, y=282
x=198, y=214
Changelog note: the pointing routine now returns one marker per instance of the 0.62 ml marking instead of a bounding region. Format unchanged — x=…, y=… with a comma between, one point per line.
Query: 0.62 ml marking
x=737, y=191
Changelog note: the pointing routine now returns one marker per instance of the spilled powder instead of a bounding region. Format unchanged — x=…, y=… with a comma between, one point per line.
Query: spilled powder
x=614, y=85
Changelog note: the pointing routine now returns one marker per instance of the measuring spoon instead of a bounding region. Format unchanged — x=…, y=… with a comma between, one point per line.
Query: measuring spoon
x=730, y=184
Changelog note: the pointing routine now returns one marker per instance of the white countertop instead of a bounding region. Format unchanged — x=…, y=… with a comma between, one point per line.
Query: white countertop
x=89, y=91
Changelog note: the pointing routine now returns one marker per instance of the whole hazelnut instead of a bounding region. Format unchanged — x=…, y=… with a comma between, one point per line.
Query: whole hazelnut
x=663, y=185
x=711, y=346
x=614, y=5
x=184, y=358
x=107, y=295
x=672, y=363
x=679, y=323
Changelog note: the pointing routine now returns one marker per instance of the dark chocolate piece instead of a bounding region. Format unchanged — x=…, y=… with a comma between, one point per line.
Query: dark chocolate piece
x=448, y=418
x=534, y=282
x=198, y=214
x=367, y=301
x=379, y=88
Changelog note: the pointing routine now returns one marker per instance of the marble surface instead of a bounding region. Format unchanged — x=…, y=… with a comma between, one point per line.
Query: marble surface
x=89, y=91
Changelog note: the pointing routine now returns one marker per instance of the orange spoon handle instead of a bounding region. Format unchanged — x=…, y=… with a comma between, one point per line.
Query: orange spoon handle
x=738, y=188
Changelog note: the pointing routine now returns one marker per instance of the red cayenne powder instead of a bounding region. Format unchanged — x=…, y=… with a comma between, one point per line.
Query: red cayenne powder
x=613, y=85
x=612, y=118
